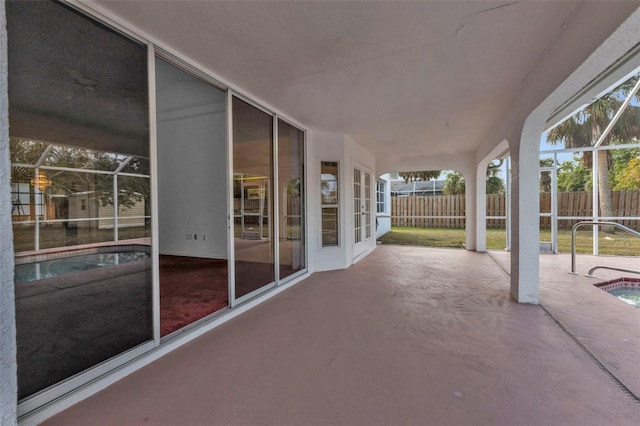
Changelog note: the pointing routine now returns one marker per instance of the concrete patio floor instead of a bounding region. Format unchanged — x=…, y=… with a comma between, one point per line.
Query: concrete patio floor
x=406, y=336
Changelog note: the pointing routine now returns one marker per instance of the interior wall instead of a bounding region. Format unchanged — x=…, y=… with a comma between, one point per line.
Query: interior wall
x=192, y=172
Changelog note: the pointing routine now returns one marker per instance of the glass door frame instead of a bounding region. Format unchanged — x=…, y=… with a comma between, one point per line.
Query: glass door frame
x=275, y=231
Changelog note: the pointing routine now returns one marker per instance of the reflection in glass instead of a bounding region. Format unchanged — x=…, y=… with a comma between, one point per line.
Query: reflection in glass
x=77, y=110
x=72, y=199
x=329, y=202
x=291, y=190
x=191, y=117
x=252, y=174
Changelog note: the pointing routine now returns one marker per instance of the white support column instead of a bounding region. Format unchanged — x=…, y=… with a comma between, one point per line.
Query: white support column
x=481, y=207
x=8, y=364
x=471, y=210
x=525, y=208
x=481, y=193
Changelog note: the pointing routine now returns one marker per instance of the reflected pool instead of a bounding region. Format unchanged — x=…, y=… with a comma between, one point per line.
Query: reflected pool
x=67, y=265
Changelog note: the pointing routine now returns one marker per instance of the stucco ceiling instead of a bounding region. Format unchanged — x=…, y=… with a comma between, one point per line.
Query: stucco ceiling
x=412, y=77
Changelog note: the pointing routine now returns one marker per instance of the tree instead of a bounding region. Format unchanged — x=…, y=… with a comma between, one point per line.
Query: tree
x=625, y=167
x=585, y=128
x=455, y=185
x=574, y=176
x=629, y=177
x=423, y=175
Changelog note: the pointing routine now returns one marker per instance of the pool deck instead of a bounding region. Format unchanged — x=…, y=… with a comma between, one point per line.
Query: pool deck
x=408, y=335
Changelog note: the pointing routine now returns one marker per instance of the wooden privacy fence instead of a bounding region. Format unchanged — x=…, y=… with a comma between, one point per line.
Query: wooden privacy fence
x=447, y=211
x=434, y=211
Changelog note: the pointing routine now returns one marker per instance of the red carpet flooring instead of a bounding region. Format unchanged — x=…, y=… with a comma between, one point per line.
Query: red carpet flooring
x=190, y=288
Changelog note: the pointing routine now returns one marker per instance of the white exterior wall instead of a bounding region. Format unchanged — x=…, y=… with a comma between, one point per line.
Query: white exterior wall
x=323, y=146
x=8, y=366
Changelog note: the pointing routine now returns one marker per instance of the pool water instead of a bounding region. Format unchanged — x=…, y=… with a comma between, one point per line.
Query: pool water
x=625, y=289
x=66, y=265
x=628, y=294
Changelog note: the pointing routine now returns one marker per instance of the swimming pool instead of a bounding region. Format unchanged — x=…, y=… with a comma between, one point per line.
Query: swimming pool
x=43, y=269
x=626, y=289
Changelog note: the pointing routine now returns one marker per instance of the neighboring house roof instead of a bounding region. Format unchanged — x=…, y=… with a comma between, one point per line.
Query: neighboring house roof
x=421, y=187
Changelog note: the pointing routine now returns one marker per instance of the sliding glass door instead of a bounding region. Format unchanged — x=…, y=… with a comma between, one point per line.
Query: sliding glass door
x=291, y=199
x=192, y=175
x=253, y=198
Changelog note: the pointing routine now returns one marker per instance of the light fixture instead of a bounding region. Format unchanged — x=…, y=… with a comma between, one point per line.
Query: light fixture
x=42, y=182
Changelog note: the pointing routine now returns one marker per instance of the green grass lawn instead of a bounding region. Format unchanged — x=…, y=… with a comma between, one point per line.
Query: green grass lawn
x=618, y=244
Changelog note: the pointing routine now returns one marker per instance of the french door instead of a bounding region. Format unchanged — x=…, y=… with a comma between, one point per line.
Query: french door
x=362, y=225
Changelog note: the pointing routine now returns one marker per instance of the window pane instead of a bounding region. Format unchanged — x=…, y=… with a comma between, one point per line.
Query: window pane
x=329, y=182
x=291, y=190
x=77, y=105
x=380, y=188
x=329, y=191
x=329, y=226
x=252, y=172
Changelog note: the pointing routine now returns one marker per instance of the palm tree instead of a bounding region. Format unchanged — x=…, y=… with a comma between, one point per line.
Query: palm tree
x=422, y=175
x=585, y=127
x=455, y=185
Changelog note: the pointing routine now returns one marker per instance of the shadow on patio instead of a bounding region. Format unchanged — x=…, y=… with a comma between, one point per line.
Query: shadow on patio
x=407, y=336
